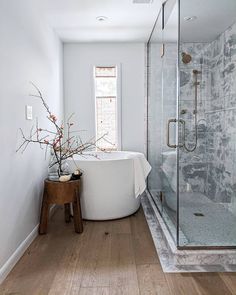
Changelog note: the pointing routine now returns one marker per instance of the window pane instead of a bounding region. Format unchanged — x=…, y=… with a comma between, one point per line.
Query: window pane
x=106, y=122
x=105, y=86
x=106, y=106
x=105, y=72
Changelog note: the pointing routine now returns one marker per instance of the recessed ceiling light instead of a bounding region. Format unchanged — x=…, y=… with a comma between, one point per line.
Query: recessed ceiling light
x=190, y=18
x=101, y=18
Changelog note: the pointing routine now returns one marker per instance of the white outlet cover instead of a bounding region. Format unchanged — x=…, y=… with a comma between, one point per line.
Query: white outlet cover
x=29, y=112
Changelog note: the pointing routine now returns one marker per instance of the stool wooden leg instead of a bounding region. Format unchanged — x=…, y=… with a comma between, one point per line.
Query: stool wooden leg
x=67, y=212
x=78, y=222
x=44, y=215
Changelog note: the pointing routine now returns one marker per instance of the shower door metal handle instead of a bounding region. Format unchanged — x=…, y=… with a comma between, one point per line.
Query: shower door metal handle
x=173, y=146
x=182, y=143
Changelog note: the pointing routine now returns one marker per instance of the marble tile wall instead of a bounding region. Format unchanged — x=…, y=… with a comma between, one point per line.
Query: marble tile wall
x=211, y=169
x=193, y=165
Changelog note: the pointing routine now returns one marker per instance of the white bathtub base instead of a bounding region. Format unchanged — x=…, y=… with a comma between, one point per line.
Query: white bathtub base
x=107, y=186
x=114, y=217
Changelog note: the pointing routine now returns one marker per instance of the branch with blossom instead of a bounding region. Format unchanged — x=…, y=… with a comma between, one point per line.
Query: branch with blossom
x=64, y=144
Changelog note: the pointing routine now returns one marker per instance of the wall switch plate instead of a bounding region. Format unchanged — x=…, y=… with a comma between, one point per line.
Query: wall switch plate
x=29, y=112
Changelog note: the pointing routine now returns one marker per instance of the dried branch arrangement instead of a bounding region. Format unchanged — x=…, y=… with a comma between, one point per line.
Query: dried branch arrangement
x=63, y=142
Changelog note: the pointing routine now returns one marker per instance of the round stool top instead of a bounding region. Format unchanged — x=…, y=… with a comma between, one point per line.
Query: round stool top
x=57, y=181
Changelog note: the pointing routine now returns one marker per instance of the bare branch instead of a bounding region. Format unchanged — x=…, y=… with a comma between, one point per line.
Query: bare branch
x=63, y=148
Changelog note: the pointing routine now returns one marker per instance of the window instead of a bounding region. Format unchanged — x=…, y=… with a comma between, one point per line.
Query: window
x=106, y=107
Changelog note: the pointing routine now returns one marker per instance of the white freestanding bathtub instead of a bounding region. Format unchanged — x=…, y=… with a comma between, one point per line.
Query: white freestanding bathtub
x=107, y=190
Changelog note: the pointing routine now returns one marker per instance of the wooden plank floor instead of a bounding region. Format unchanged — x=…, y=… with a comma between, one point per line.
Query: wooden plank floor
x=109, y=258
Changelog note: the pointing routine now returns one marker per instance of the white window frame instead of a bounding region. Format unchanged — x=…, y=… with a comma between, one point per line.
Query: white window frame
x=118, y=101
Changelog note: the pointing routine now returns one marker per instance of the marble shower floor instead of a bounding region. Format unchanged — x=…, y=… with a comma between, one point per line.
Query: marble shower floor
x=203, y=222
x=175, y=260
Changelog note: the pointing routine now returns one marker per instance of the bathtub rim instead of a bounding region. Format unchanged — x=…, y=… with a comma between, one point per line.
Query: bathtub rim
x=88, y=156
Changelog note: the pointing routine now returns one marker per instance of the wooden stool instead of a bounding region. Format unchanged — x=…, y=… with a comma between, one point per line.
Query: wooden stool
x=61, y=193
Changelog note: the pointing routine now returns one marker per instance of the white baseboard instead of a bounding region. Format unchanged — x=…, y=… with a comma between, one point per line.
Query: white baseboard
x=14, y=258
x=11, y=262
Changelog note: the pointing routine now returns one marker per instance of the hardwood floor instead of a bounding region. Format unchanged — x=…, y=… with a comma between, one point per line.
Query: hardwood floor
x=109, y=258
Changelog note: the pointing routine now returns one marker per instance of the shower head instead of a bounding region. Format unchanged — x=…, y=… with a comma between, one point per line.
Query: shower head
x=186, y=58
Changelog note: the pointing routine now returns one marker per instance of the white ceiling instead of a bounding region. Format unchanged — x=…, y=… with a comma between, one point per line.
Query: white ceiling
x=75, y=20
x=213, y=18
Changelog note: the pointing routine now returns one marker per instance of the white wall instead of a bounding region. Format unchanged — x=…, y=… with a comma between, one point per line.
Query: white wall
x=29, y=51
x=79, y=60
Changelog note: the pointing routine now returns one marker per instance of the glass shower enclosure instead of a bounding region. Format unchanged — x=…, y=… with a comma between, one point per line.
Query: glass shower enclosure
x=192, y=121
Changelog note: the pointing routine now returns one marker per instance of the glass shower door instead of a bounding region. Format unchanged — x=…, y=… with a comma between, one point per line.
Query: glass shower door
x=207, y=106
x=169, y=137
x=154, y=118
x=162, y=114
